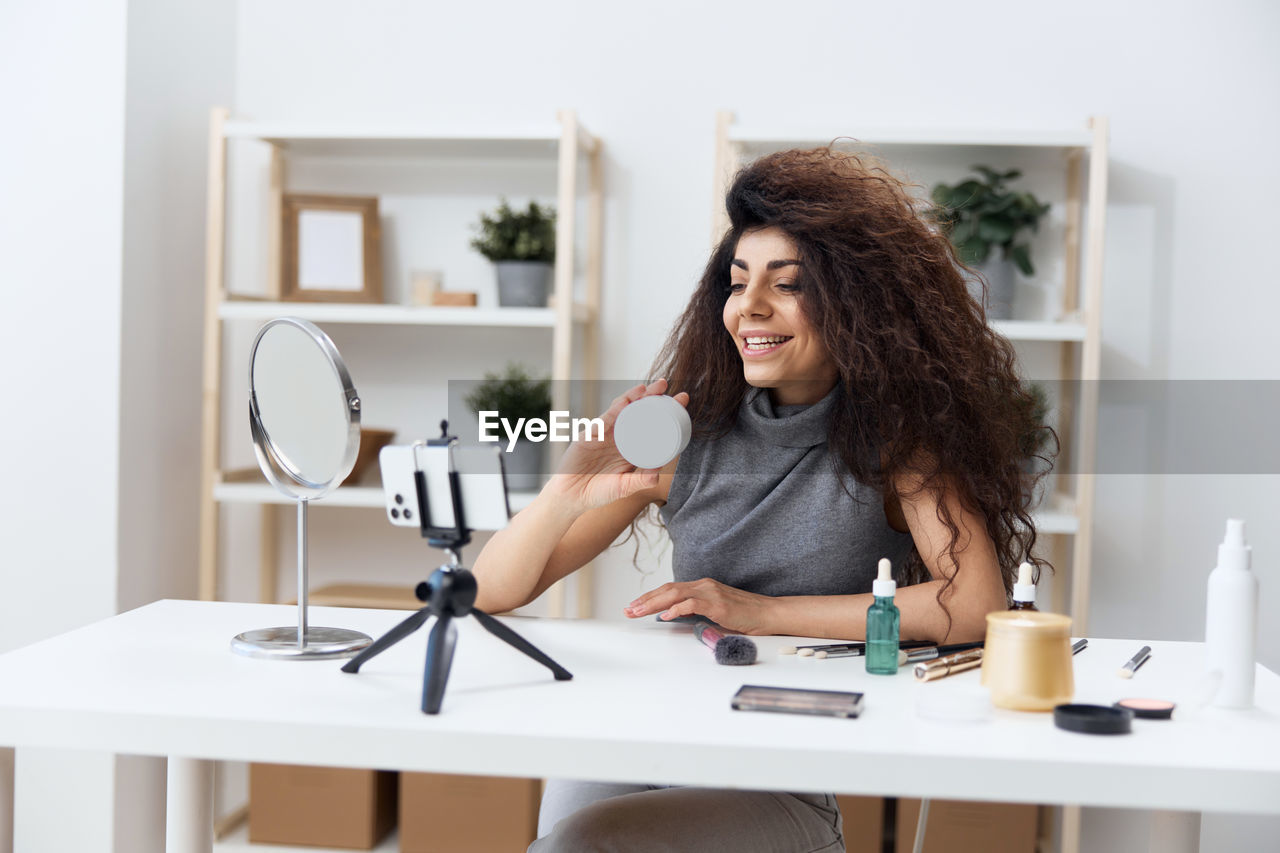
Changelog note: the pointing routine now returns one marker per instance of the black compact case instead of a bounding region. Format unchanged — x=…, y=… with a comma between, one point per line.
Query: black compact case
x=1093, y=719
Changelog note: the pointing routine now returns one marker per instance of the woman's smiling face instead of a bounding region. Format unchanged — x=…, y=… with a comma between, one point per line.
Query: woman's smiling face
x=779, y=350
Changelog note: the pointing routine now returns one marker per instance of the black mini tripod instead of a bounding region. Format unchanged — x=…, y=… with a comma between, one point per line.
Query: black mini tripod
x=449, y=592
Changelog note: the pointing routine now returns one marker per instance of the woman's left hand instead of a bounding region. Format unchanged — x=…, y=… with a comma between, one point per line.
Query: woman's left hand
x=732, y=609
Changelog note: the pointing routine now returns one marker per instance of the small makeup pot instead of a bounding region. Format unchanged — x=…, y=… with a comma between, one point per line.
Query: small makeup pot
x=1093, y=719
x=1027, y=660
x=652, y=431
x=1148, y=709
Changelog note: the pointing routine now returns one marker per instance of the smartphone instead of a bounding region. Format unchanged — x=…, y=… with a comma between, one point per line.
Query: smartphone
x=482, y=480
x=481, y=483
x=797, y=700
x=435, y=462
x=399, y=488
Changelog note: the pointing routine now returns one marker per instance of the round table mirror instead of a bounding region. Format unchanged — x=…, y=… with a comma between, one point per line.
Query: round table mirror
x=304, y=417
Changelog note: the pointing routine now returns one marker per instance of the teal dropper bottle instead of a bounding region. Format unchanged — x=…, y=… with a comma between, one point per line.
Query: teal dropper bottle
x=882, y=625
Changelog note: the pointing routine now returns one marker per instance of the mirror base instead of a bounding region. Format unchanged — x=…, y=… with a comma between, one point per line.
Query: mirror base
x=282, y=643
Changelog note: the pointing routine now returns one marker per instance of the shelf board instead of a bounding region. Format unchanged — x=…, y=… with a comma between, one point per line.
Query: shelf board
x=1034, y=330
x=327, y=139
x=344, y=496
x=402, y=315
x=366, y=595
x=265, y=493
x=999, y=137
x=1059, y=517
x=237, y=841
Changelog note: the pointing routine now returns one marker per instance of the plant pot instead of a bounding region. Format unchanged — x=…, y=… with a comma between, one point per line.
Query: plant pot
x=523, y=284
x=999, y=275
x=1043, y=490
x=523, y=466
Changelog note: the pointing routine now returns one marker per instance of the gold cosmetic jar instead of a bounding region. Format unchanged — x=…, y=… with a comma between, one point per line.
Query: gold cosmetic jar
x=1027, y=660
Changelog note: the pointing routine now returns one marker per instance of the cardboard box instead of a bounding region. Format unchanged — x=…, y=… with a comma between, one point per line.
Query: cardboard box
x=959, y=826
x=863, y=819
x=320, y=806
x=440, y=813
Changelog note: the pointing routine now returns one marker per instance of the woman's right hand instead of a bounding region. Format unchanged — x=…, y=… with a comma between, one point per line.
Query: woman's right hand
x=593, y=473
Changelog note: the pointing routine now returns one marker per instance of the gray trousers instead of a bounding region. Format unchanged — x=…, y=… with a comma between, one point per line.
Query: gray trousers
x=599, y=817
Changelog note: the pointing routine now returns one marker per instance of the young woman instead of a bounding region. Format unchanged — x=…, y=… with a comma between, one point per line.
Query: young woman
x=849, y=403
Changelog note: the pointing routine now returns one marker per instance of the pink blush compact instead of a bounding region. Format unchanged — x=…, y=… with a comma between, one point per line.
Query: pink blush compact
x=1148, y=709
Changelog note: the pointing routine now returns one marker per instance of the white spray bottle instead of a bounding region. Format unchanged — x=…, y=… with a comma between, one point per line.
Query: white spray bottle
x=1231, y=620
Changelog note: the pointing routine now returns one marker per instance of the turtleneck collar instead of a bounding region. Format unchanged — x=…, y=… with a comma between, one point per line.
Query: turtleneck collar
x=787, y=426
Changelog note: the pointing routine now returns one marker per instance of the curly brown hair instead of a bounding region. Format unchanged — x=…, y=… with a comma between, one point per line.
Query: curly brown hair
x=931, y=391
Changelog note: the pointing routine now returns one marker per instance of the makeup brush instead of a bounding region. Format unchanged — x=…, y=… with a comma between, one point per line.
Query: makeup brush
x=730, y=649
x=1132, y=664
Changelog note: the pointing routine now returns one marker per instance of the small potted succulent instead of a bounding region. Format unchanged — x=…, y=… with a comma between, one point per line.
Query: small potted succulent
x=522, y=246
x=987, y=224
x=515, y=394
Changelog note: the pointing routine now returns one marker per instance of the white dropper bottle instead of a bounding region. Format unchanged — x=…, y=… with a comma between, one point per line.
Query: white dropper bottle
x=1024, y=591
x=1231, y=620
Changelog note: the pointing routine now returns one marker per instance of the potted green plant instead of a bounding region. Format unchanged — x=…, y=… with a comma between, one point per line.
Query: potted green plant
x=514, y=394
x=522, y=246
x=987, y=223
x=1037, y=456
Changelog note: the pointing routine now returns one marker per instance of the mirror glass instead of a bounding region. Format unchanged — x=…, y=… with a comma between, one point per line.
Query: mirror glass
x=305, y=411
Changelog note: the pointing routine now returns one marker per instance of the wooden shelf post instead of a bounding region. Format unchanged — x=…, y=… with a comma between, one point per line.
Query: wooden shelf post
x=210, y=404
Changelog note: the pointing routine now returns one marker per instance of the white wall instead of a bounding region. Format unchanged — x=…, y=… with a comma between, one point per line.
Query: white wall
x=102, y=161
x=60, y=255
x=61, y=157
x=180, y=63
x=1191, y=90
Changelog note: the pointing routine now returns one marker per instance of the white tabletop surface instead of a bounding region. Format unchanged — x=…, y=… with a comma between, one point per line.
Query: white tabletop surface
x=647, y=704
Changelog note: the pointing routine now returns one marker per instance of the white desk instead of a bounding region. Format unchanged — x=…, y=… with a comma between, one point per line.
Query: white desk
x=647, y=704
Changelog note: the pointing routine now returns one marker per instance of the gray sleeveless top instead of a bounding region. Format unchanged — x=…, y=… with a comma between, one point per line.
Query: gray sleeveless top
x=762, y=508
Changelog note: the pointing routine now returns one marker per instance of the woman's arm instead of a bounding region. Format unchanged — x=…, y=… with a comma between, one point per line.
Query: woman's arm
x=579, y=513
x=976, y=589
x=546, y=541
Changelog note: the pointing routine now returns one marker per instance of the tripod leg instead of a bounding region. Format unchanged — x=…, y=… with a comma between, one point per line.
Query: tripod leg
x=444, y=636
x=389, y=639
x=502, y=632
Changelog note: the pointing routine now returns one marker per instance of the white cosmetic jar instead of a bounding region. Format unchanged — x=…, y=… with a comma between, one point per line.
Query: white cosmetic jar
x=652, y=431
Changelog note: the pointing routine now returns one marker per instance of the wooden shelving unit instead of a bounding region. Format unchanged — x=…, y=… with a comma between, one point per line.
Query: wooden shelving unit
x=1034, y=330
x=344, y=496
x=571, y=322
x=400, y=315
x=1066, y=515
x=1075, y=327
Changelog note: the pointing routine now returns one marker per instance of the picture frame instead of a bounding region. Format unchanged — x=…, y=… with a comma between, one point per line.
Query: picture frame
x=330, y=248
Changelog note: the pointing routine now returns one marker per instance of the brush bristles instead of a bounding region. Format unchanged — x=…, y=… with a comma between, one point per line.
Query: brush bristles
x=1125, y=673
x=735, y=651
